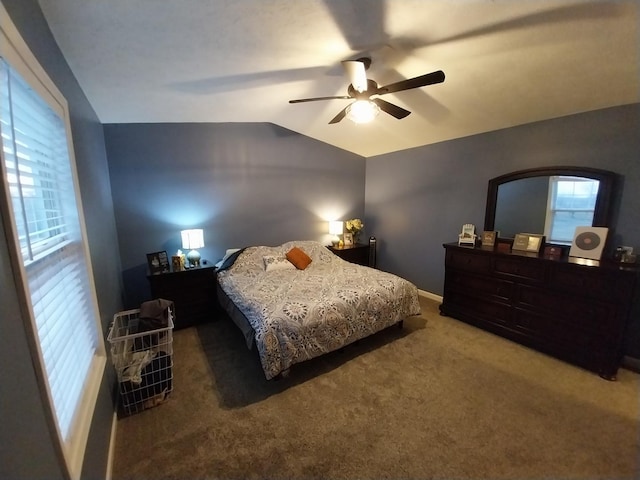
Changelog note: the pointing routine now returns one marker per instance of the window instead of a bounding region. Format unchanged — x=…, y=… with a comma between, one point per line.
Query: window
x=40, y=209
x=571, y=204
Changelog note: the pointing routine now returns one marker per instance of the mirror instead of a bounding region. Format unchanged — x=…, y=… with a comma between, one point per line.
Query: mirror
x=550, y=201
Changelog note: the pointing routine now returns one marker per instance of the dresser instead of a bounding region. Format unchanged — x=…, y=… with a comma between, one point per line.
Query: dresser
x=575, y=312
x=192, y=291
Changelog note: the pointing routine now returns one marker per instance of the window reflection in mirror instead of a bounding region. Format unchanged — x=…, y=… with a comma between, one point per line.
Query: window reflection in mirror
x=552, y=205
x=571, y=204
x=550, y=201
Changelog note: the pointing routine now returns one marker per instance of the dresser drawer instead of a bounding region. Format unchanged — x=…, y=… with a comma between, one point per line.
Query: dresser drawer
x=590, y=283
x=562, y=339
x=488, y=311
x=479, y=285
x=468, y=261
x=519, y=268
x=592, y=316
x=528, y=322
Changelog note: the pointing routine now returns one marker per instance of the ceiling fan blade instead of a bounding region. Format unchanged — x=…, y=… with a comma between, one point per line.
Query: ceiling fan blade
x=356, y=70
x=390, y=108
x=416, y=82
x=301, y=100
x=339, y=116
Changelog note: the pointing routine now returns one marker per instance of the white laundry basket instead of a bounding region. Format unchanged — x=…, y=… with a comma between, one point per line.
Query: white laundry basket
x=143, y=361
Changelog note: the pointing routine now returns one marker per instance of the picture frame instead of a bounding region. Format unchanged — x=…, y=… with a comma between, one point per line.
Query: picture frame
x=504, y=247
x=535, y=243
x=177, y=263
x=589, y=242
x=158, y=263
x=348, y=239
x=528, y=242
x=553, y=252
x=489, y=238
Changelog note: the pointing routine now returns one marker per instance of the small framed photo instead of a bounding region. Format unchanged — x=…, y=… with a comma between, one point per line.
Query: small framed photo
x=158, y=263
x=504, y=247
x=528, y=242
x=177, y=263
x=348, y=239
x=553, y=252
x=489, y=238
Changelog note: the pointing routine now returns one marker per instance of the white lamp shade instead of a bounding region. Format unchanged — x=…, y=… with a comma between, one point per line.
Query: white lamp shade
x=192, y=239
x=335, y=228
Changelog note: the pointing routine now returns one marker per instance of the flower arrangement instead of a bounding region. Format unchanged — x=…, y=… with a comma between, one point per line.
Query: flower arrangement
x=354, y=226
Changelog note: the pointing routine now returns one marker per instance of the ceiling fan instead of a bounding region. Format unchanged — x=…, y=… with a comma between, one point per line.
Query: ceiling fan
x=362, y=89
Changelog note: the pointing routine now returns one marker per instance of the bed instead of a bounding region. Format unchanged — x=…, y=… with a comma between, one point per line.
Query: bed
x=291, y=314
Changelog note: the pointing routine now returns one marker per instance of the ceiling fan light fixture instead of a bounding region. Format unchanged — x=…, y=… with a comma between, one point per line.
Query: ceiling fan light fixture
x=362, y=111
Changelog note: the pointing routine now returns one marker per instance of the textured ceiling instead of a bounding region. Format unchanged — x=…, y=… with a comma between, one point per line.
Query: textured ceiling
x=506, y=63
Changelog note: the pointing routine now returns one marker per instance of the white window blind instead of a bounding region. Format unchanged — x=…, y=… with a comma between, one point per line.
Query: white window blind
x=38, y=176
x=571, y=204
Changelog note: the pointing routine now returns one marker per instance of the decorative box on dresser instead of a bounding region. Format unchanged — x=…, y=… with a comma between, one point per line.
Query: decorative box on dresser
x=358, y=253
x=575, y=312
x=193, y=292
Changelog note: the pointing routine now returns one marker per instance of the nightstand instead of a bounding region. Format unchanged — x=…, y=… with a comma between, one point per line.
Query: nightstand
x=358, y=253
x=192, y=291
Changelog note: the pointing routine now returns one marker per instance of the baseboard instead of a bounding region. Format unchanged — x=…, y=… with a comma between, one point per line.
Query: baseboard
x=631, y=363
x=112, y=446
x=430, y=296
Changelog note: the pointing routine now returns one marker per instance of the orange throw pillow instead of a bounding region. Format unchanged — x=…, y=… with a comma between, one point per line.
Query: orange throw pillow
x=300, y=259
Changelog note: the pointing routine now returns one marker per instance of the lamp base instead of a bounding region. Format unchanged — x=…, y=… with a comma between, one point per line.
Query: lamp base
x=194, y=258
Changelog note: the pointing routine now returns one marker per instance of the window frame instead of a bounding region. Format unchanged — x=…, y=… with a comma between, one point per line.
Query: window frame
x=553, y=210
x=71, y=452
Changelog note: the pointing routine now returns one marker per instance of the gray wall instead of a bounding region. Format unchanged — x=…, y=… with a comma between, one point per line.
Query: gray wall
x=418, y=199
x=258, y=183
x=27, y=450
x=244, y=184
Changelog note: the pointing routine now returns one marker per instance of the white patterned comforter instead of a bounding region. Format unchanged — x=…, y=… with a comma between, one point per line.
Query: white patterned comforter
x=301, y=314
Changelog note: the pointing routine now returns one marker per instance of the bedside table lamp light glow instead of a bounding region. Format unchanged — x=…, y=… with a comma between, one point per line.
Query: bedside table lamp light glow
x=191, y=240
x=336, y=228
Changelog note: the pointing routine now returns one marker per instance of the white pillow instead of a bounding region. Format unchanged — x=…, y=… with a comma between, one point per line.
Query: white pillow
x=227, y=254
x=277, y=262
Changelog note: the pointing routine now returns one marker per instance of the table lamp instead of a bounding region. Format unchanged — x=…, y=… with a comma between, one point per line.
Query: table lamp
x=192, y=239
x=336, y=228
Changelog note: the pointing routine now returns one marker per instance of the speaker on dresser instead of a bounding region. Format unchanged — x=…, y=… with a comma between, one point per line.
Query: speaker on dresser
x=372, y=252
x=588, y=242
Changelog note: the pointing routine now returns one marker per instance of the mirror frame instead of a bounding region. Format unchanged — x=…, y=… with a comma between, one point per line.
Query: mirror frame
x=602, y=214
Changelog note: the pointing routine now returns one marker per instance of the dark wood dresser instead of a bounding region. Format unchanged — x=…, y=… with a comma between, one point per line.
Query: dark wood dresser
x=192, y=291
x=358, y=253
x=575, y=312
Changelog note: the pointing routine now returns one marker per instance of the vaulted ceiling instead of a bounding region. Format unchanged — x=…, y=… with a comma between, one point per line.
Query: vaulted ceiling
x=507, y=63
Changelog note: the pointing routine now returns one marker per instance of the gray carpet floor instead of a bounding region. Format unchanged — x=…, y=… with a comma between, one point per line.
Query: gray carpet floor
x=437, y=399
